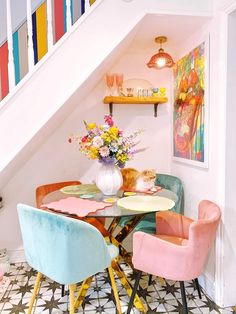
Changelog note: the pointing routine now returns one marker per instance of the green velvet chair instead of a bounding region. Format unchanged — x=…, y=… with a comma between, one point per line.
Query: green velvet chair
x=172, y=183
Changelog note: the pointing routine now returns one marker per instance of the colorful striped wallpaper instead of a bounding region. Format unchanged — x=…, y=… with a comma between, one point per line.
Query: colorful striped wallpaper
x=39, y=23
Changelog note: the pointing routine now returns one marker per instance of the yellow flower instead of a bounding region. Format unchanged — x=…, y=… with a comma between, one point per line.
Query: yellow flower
x=91, y=126
x=113, y=131
x=106, y=137
x=93, y=153
x=122, y=157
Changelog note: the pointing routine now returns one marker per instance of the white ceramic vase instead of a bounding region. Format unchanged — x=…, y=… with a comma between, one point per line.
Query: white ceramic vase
x=109, y=179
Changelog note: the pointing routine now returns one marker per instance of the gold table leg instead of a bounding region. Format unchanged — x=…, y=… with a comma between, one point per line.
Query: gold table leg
x=82, y=292
x=113, y=286
x=123, y=252
x=137, y=302
x=113, y=224
x=125, y=231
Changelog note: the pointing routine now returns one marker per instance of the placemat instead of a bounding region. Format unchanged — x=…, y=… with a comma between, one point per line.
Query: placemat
x=80, y=189
x=76, y=206
x=146, y=203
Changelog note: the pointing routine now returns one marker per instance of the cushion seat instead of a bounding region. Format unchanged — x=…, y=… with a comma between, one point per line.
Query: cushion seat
x=173, y=239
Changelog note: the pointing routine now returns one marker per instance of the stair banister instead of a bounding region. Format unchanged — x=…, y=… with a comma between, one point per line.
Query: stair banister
x=11, y=68
x=30, y=36
x=49, y=25
x=10, y=48
x=68, y=15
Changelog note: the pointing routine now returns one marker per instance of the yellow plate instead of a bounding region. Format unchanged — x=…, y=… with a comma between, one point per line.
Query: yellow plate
x=110, y=200
x=146, y=203
x=129, y=193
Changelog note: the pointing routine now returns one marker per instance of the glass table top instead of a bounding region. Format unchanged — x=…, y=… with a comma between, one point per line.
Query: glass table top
x=114, y=210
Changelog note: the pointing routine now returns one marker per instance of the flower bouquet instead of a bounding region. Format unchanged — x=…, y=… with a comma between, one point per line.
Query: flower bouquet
x=111, y=147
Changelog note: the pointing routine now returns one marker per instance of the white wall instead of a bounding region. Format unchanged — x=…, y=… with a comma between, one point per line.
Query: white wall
x=39, y=99
x=229, y=269
x=202, y=183
x=57, y=160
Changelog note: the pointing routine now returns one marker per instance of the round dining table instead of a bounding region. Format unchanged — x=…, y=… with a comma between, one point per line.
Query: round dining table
x=115, y=212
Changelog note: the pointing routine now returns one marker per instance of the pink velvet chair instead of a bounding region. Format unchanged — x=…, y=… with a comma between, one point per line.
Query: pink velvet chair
x=179, y=249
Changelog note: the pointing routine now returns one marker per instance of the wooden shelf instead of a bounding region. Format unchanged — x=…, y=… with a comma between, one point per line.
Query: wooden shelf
x=123, y=100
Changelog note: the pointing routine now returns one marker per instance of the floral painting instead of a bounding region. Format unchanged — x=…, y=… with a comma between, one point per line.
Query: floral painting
x=190, y=106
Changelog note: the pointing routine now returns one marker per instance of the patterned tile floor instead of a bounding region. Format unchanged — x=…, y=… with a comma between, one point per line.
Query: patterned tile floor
x=99, y=299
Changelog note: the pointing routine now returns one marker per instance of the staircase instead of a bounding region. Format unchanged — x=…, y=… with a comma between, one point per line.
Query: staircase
x=41, y=100
x=25, y=39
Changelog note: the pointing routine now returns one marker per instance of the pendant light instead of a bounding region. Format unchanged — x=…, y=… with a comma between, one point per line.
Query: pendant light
x=161, y=59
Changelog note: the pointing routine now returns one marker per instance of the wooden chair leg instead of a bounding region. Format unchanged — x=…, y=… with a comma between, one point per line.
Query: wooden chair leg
x=198, y=288
x=35, y=291
x=136, y=284
x=183, y=294
x=72, y=298
x=113, y=284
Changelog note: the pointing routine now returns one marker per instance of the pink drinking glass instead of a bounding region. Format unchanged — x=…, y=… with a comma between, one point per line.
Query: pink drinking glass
x=110, y=81
x=119, y=82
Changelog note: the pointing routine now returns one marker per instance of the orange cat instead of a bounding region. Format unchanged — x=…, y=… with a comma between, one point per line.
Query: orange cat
x=133, y=180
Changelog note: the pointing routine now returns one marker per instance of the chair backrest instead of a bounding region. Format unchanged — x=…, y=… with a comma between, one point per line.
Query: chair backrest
x=64, y=249
x=175, y=185
x=203, y=231
x=43, y=190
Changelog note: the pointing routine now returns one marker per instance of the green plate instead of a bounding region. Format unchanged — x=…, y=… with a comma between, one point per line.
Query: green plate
x=81, y=189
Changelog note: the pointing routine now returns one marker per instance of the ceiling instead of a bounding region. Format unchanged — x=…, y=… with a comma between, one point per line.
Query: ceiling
x=176, y=27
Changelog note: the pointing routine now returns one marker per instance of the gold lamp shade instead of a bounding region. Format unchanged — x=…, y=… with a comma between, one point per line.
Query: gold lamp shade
x=161, y=59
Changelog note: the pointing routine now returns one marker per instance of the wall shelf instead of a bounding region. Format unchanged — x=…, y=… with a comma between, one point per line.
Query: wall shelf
x=124, y=100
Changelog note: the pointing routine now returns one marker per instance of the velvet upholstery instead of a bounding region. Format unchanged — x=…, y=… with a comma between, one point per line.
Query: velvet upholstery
x=64, y=249
x=43, y=190
x=180, y=247
x=172, y=183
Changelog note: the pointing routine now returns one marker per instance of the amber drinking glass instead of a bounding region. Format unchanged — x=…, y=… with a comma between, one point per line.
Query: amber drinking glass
x=110, y=78
x=119, y=82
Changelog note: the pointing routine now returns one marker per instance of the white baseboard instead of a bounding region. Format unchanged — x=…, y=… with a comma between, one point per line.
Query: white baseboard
x=16, y=256
x=208, y=285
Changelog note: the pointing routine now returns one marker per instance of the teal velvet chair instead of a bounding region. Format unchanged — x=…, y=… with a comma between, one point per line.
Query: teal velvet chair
x=66, y=250
x=172, y=183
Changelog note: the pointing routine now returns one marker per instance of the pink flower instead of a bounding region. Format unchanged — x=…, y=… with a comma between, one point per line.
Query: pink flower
x=84, y=139
x=104, y=151
x=108, y=119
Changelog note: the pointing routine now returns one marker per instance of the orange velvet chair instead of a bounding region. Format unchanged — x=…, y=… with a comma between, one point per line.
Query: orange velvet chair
x=43, y=190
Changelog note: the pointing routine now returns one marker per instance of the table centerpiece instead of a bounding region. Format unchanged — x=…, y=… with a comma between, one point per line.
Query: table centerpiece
x=112, y=148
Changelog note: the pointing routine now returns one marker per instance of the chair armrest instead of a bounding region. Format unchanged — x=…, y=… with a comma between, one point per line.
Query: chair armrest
x=161, y=258
x=173, y=224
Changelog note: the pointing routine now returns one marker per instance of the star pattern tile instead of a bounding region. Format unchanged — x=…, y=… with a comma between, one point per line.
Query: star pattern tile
x=160, y=297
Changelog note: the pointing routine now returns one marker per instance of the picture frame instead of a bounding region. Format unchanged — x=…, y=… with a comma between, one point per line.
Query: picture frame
x=190, y=113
